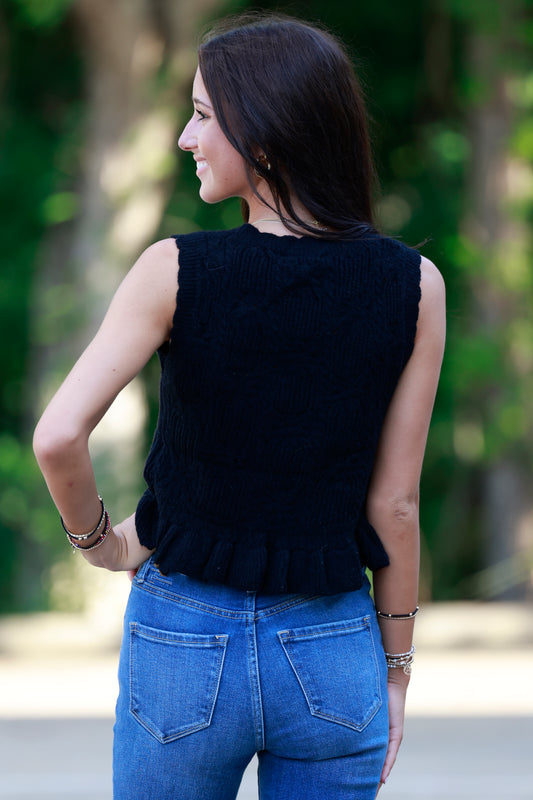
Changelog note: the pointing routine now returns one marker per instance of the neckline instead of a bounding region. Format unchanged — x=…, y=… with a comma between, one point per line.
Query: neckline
x=285, y=235
x=283, y=239
x=289, y=243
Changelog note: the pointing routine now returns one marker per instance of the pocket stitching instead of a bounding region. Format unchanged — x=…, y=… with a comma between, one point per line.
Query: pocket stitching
x=213, y=641
x=328, y=630
x=286, y=637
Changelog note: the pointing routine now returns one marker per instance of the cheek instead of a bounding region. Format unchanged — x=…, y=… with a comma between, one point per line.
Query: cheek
x=228, y=165
x=237, y=167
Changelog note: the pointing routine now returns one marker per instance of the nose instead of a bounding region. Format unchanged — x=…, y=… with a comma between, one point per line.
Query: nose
x=187, y=140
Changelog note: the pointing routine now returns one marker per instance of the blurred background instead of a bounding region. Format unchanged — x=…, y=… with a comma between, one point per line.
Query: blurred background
x=93, y=95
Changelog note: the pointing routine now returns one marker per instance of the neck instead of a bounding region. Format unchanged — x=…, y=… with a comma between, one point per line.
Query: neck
x=267, y=221
x=279, y=221
x=263, y=223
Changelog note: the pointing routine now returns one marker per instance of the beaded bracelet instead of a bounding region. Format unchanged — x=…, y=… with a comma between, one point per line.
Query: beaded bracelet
x=401, y=660
x=409, y=615
x=82, y=536
x=99, y=541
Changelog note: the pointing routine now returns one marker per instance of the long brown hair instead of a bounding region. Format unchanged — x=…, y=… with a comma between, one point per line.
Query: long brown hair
x=287, y=98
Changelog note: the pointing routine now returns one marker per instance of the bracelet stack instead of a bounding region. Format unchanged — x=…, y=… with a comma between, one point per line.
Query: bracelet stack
x=102, y=528
x=401, y=660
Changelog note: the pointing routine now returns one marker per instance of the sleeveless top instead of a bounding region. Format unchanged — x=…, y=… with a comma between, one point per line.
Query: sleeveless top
x=283, y=358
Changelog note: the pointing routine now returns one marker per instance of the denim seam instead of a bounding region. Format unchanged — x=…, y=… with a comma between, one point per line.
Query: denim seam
x=253, y=673
x=286, y=605
x=329, y=630
x=187, y=601
x=172, y=638
x=221, y=612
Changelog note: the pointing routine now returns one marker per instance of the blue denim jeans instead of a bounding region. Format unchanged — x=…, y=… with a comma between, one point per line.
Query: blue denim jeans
x=211, y=675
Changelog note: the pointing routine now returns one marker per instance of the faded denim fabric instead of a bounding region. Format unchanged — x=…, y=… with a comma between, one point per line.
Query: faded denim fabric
x=210, y=675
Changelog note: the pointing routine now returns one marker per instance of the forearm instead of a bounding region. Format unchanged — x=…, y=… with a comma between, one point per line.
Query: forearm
x=66, y=465
x=396, y=586
x=67, y=468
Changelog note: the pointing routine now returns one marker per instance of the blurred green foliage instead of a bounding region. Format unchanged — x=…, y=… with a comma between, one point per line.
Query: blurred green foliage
x=413, y=59
x=41, y=105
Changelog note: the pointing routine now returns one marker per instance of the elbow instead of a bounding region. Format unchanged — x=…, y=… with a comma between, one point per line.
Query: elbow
x=405, y=509
x=394, y=512
x=52, y=443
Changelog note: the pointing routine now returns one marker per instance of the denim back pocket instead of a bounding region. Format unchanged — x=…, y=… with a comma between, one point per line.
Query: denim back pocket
x=174, y=680
x=337, y=668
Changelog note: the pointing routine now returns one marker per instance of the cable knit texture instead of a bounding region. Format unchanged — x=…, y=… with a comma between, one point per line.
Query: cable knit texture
x=283, y=358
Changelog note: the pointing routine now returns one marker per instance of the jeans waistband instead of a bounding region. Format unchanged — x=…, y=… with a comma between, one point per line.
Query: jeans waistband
x=219, y=595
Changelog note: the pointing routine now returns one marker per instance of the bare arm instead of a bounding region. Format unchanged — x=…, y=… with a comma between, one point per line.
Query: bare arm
x=138, y=321
x=393, y=498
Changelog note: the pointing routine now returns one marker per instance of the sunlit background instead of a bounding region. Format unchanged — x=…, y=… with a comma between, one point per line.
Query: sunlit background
x=93, y=94
x=92, y=97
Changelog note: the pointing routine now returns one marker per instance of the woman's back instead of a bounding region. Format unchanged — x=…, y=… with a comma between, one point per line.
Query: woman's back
x=282, y=361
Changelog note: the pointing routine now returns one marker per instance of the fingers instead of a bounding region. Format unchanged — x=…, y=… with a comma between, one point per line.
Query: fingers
x=390, y=758
x=388, y=765
x=397, y=694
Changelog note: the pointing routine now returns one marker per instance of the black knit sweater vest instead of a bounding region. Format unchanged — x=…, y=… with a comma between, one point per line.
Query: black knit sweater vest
x=283, y=358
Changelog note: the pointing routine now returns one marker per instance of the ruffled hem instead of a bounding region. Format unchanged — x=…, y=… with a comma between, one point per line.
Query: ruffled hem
x=260, y=567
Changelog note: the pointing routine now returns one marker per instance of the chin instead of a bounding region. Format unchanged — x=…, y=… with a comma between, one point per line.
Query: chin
x=209, y=200
x=208, y=195
x=211, y=197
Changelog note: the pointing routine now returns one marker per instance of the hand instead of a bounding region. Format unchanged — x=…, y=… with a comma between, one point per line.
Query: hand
x=133, y=554
x=121, y=551
x=397, y=684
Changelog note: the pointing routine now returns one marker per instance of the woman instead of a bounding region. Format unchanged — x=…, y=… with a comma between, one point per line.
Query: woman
x=300, y=360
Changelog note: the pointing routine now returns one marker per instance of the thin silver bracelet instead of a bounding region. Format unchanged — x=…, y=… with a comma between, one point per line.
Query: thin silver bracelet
x=408, y=615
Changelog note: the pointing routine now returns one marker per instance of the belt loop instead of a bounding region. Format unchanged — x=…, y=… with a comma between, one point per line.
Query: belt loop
x=141, y=572
x=250, y=600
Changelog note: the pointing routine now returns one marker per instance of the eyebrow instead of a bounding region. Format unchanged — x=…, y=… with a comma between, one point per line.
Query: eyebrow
x=200, y=102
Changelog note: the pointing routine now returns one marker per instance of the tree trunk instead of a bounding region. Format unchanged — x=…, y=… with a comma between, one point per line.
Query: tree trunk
x=500, y=241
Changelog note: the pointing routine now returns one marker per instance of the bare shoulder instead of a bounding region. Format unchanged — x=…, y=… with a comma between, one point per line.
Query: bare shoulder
x=432, y=282
x=432, y=311
x=164, y=248
x=159, y=258
x=148, y=292
x=153, y=279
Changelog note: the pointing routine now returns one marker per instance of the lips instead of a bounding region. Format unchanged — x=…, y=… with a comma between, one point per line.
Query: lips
x=201, y=165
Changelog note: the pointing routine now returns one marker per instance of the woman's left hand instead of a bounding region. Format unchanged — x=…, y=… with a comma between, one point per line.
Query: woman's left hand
x=397, y=684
